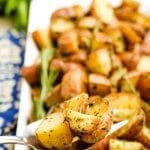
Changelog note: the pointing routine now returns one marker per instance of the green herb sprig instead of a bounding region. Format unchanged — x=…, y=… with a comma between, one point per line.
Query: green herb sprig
x=48, y=77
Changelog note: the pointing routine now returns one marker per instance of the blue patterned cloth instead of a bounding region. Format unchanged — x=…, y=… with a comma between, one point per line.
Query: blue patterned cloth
x=11, y=60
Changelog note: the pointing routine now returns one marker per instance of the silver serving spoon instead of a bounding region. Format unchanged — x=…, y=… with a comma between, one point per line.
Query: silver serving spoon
x=29, y=135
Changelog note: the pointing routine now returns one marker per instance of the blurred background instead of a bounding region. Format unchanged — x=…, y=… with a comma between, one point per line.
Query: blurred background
x=17, y=11
x=13, y=27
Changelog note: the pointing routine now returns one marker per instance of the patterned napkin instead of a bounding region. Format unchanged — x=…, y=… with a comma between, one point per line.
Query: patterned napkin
x=11, y=60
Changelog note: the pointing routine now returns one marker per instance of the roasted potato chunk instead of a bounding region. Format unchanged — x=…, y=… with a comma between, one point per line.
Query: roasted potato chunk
x=100, y=40
x=75, y=11
x=63, y=66
x=129, y=33
x=100, y=145
x=144, y=86
x=101, y=108
x=81, y=123
x=116, y=62
x=133, y=127
x=59, y=26
x=103, y=11
x=115, y=144
x=144, y=64
x=52, y=130
x=144, y=136
x=134, y=5
x=130, y=59
x=124, y=13
x=117, y=75
x=141, y=19
x=68, y=42
x=117, y=39
x=98, y=107
x=138, y=28
x=129, y=82
x=78, y=103
x=84, y=39
x=99, y=133
x=57, y=64
x=89, y=22
x=68, y=66
x=127, y=106
x=53, y=96
x=31, y=74
x=73, y=83
x=80, y=56
x=124, y=105
x=42, y=38
x=144, y=48
x=146, y=108
x=99, y=62
x=99, y=85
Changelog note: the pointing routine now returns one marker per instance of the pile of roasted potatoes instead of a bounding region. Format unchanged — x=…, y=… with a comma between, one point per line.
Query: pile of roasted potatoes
x=101, y=60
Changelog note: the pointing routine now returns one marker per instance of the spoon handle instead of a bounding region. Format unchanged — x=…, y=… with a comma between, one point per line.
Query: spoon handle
x=16, y=140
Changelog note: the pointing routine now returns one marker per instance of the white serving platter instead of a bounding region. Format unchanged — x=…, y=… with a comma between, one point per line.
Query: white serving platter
x=40, y=13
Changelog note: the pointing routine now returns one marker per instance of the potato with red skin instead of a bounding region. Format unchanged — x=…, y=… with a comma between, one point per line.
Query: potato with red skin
x=99, y=85
x=144, y=86
x=138, y=28
x=89, y=22
x=57, y=64
x=144, y=64
x=103, y=11
x=53, y=96
x=145, y=48
x=31, y=74
x=117, y=39
x=84, y=39
x=127, y=106
x=100, y=108
x=63, y=66
x=130, y=59
x=129, y=81
x=146, y=108
x=124, y=13
x=59, y=26
x=68, y=66
x=78, y=57
x=74, y=82
x=81, y=123
x=141, y=19
x=100, y=40
x=144, y=136
x=116, y=62
x=132, y=128
x=99, y=62
x=75, y=11
x=129, y=33
x=100, y=145
x=118, y=144
x=68, y=42
x=78, y=103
